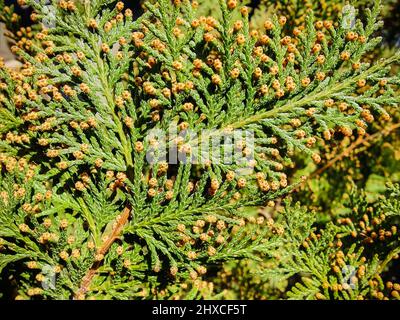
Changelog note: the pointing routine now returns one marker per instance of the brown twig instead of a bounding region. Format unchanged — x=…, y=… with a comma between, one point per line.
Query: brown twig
x=120, y=222
x=360, y=141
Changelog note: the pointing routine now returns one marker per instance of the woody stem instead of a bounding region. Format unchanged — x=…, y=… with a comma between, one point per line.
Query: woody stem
x=116, y=232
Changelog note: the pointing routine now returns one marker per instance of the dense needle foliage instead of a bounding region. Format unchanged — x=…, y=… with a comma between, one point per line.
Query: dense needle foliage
x=93, y=204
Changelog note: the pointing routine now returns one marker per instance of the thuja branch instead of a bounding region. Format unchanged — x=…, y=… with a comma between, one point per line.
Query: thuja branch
x=108, y=92
x=362, y=140
x=318, y=96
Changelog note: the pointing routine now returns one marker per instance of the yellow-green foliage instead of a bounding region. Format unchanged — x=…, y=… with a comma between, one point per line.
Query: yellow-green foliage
x=91, y=209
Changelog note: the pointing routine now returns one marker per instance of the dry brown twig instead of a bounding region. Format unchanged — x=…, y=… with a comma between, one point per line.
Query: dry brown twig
x=121, y=221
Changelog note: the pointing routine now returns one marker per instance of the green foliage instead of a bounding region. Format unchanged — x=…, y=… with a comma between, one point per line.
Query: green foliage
x=85, y=214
